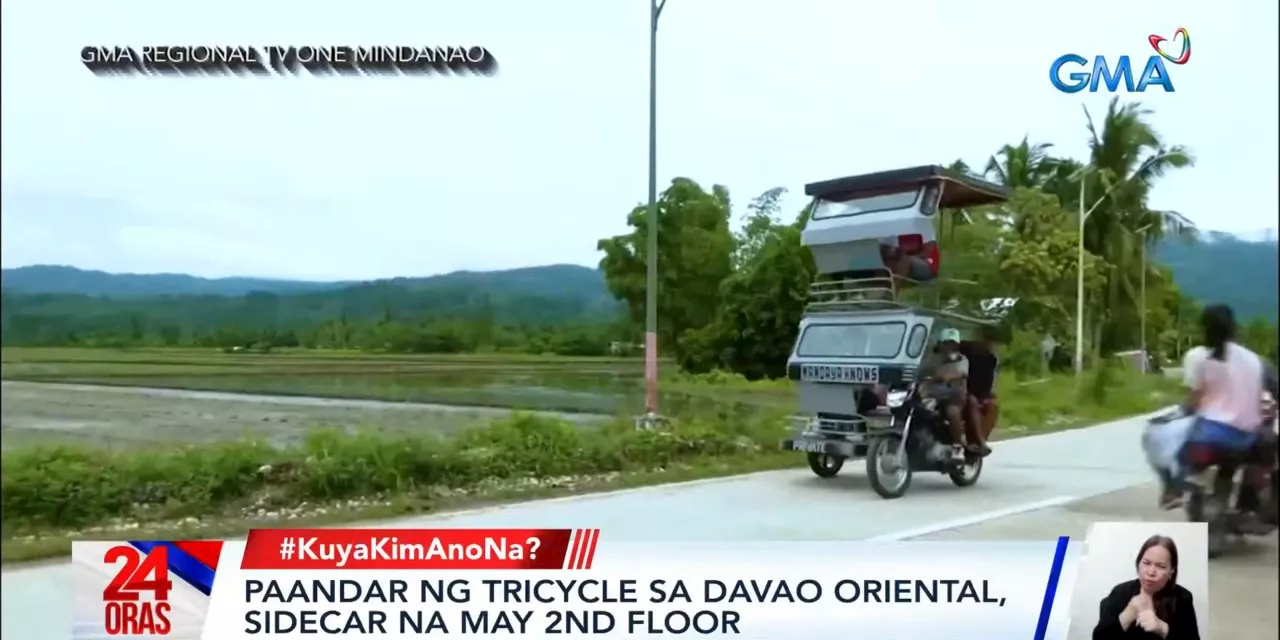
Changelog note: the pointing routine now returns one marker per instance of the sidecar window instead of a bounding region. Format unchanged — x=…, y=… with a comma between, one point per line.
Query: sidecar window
x=852, y=340
x=915, y=342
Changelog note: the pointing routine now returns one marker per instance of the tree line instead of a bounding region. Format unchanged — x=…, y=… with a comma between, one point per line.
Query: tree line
x=262, y=322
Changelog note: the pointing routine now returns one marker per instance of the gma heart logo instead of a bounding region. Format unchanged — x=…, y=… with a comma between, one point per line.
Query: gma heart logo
x=1179, y=36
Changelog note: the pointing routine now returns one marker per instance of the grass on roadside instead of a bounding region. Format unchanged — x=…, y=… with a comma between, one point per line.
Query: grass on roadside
x=1027, y=404
x=52, y=490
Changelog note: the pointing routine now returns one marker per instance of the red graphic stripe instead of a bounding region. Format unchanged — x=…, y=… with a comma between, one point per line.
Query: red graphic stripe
x=591, y=548
x=575, y=554
x=568, y=554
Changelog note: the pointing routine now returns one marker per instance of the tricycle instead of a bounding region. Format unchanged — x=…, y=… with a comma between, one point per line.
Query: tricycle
x=860, y=359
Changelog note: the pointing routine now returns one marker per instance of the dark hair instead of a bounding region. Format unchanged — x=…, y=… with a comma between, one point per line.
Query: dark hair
x=1219, y=324
x=1166, y=600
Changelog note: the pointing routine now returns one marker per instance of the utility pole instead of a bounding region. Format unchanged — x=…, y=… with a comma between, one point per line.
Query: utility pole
x=651, y=260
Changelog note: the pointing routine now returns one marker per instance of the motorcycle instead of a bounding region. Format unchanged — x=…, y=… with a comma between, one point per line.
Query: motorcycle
x=1211, y=479
x=917, y=440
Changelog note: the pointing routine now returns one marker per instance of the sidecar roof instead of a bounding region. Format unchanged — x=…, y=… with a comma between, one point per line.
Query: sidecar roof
x=959, y=189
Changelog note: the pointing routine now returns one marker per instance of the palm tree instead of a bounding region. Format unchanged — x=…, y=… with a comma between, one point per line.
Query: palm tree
x=960, y=166
x=1063, y=181
x=1126, y=158
x=1021, y=165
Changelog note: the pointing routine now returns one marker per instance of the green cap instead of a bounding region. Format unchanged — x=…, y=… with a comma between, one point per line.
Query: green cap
x=949, y=335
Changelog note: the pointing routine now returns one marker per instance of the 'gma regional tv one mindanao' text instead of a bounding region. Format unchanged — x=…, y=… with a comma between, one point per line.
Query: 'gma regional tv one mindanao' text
x=201, y=60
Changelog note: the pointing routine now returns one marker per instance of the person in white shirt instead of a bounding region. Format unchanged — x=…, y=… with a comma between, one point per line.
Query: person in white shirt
x=1226, y=382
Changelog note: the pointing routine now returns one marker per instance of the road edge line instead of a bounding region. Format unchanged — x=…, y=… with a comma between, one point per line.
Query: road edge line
x=968, y=521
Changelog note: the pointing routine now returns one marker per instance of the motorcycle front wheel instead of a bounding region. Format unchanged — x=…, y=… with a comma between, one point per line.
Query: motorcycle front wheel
x=889, y=473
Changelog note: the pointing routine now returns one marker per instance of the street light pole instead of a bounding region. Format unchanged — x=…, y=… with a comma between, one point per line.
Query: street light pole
x=651, y=259
x=1142, y=318
x=1084, y=215
x=1079, y=360
x=1142, y=295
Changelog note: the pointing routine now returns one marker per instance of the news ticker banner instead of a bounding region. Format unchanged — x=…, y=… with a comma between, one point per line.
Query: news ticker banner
x=286, y=60
x=387, y=583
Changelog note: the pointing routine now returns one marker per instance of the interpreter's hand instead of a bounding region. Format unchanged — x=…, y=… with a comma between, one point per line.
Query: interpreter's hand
x=1143, y=602
x=1149, y=622
x=1129, y=615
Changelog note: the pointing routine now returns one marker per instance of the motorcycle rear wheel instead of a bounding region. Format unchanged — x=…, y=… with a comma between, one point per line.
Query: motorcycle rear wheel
x=825, y=466
x=1200, y=508
x=966, y=476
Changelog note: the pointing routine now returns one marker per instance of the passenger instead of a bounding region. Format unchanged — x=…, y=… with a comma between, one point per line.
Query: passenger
x=948, y=371
x=982, y=410
x=903, y=264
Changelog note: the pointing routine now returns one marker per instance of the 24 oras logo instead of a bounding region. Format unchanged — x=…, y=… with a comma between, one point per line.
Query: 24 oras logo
x=1081, y=74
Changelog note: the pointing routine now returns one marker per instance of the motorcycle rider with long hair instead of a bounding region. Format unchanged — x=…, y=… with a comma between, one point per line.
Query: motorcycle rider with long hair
x=1226, y=382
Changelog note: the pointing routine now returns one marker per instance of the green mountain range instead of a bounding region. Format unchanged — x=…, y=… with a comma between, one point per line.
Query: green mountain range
x=1219, y=268
x=1223, y=268
x=43, y=304
x=559, y=280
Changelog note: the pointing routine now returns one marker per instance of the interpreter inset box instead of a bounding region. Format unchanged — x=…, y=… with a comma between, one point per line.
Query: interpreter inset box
x=1152, y=576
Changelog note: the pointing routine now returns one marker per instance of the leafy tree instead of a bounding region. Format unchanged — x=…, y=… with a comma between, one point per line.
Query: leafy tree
x=761, y=301
x=695, y=255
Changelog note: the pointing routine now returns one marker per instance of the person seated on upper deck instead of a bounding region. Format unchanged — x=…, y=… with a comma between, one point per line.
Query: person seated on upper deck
x=904, y=264
x=946, y=372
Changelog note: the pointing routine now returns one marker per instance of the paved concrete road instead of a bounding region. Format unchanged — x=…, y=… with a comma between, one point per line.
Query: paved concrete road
x=1023, y=475
x=1242, y=584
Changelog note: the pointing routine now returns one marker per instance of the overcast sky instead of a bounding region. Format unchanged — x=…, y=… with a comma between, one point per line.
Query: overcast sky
x=372, y=177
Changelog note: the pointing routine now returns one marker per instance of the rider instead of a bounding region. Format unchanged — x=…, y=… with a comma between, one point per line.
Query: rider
x=1226, y=381
x=948, y=371
x=982, y=409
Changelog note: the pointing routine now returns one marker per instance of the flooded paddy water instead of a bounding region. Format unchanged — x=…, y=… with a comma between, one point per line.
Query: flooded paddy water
x=132, y=399
x=127, y=417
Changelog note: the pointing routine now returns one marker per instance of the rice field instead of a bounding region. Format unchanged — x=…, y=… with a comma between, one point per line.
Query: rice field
x=141, y=397
x=159, y=397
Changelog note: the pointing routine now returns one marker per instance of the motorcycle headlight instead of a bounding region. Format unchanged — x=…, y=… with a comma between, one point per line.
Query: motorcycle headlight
x=895, y=399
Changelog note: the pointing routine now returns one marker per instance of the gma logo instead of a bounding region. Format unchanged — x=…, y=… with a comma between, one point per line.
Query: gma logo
x=1081, y=74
